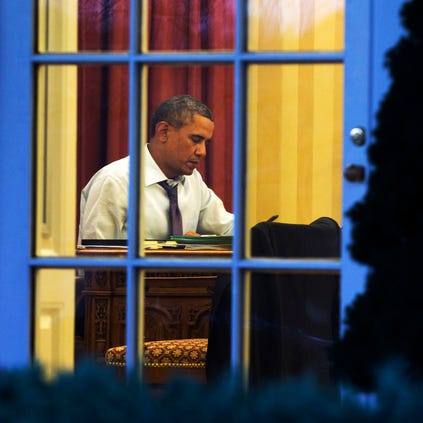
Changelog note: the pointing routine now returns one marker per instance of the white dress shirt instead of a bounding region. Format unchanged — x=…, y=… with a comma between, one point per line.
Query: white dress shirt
x=104, y=204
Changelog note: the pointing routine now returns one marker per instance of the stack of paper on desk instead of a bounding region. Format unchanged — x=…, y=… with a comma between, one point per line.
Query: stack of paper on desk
x=204, y=242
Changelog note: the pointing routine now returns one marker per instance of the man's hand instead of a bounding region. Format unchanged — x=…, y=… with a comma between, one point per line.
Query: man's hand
x=191, y=233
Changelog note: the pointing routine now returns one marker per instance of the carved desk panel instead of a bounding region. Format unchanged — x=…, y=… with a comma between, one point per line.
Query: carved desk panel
x=177, y=305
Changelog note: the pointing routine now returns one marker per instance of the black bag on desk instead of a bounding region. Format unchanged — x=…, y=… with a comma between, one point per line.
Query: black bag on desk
x=294, y=317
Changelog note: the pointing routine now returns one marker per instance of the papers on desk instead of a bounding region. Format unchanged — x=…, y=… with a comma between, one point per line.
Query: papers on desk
x=172, y=245
x=192, y=247
x=158, y=245
x=202, y=242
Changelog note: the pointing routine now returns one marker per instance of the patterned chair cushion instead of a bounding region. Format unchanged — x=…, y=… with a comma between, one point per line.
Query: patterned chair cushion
x=183, y=353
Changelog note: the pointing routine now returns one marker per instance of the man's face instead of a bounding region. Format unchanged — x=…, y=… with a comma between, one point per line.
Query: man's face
x=185, y=147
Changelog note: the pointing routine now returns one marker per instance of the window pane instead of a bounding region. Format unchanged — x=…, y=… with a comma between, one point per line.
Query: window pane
x=291, y=324
x=100, y=319
x=190, y=25
x=83, y=25
x=177, y=310
x=102, y=139
x=294, y=321
x=294, y=143
x=56, y=134
x=219, y=337
x=82, y=124
x=212, y=85
x=295, y=25
x=54, y=319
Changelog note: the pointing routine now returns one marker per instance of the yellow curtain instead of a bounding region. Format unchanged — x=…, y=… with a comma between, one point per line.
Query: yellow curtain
x=294, y=113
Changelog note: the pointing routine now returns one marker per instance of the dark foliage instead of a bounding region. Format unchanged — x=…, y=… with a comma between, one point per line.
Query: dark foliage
x=386, y=321
x=93, y=394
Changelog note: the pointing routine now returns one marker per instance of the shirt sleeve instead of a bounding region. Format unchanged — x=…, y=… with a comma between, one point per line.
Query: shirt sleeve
x=214, y=218
x=104, y=210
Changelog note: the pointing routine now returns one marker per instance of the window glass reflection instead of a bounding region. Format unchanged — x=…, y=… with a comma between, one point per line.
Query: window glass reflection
x=292, y=324
x=294, y=143
x=294, y=25
x=191, y=25
x=83, y=25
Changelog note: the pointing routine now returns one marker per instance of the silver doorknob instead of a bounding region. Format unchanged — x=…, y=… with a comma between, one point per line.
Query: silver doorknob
x=358, y=136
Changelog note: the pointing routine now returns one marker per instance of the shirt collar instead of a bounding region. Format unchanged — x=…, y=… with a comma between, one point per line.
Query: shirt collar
x=153, y=173
x=175, y=181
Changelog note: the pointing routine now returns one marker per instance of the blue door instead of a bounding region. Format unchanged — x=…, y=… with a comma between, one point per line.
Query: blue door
x=371, y=28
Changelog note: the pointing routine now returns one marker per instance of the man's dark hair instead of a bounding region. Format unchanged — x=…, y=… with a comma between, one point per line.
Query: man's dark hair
x=178, y=111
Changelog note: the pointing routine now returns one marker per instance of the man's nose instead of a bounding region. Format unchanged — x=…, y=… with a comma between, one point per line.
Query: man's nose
x=201, y=149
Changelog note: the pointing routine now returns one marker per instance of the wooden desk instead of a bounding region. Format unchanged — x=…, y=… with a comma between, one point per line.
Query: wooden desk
x=177, y=304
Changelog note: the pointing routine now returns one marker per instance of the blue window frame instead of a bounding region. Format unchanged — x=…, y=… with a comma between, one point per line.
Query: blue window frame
x=240, y=59
x=15, y=181
x=17, y=264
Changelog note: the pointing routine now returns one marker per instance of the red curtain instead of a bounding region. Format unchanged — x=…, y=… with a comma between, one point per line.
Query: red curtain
x=103, y=91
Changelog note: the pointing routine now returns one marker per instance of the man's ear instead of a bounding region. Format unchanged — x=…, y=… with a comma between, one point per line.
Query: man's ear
x=161, y=130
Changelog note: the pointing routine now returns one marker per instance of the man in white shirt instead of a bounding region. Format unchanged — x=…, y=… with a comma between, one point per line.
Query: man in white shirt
x=182, y=127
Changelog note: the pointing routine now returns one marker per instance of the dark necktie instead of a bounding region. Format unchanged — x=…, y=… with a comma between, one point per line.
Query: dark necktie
x=175, y=217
